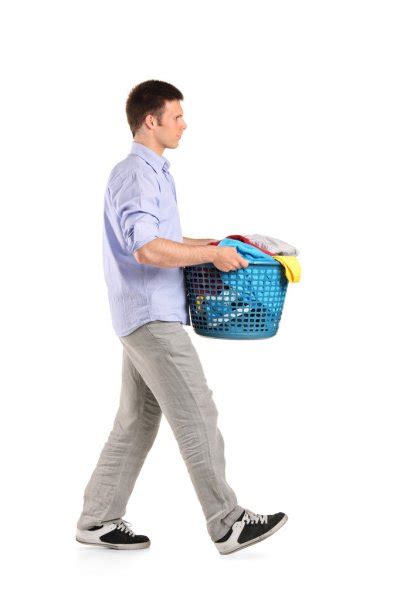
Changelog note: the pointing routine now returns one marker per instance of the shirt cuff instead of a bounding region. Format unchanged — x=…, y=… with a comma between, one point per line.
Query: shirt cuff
x=142, y=232
x=138, y=245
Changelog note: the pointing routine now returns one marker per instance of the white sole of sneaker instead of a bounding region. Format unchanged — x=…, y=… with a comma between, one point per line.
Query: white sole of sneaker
x=258, y=539
x=116, y=546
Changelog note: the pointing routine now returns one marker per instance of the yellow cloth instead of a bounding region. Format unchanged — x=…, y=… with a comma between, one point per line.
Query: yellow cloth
x=292, y=267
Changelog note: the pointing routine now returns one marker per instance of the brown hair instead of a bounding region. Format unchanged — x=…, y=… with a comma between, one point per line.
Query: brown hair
x=148, y=98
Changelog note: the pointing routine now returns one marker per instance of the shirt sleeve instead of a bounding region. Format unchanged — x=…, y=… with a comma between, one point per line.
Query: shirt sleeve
x=136, y=203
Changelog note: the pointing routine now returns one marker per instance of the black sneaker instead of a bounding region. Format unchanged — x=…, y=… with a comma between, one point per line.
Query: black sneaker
x=249, y=529
x=113, y=534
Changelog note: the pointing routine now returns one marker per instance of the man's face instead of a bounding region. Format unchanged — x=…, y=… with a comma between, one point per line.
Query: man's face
x=171, y=126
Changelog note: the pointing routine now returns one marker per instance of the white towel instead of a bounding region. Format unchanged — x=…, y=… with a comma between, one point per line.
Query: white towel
x=273, y=245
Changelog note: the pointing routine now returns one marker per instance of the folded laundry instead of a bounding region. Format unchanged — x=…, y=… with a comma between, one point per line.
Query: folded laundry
x=266, y=243
x=273, y=245
x=242, y=239
x=257, y=256
x=249, y=252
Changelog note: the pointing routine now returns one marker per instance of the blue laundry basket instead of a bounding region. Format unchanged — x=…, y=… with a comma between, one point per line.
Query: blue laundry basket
x=242, y=304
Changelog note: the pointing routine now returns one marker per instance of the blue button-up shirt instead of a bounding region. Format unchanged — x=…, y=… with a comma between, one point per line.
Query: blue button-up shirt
x=140, y=205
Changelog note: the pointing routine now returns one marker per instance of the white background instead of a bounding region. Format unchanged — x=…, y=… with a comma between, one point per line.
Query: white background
x=293, y=131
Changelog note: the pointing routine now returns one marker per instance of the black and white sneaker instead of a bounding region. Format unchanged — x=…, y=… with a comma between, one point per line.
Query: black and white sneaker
x=113, y=534
x=249, y=529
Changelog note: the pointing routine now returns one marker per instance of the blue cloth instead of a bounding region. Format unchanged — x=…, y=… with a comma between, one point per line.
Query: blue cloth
x=222, y=308
x=246, y=299
x=250, y=291
x=140, y=205
x=230, y=307
x=250, y=253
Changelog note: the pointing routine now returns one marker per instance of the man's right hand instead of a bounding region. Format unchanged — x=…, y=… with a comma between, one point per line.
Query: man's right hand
x=228, y=259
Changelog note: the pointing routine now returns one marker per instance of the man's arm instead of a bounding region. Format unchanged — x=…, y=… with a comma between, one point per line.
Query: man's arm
x=161, y=252
x=198, y=242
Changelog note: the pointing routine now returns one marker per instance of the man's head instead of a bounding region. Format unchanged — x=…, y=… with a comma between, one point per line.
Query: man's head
x=155, y=115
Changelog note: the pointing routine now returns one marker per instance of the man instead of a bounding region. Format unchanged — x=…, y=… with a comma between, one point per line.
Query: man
x=144, y=255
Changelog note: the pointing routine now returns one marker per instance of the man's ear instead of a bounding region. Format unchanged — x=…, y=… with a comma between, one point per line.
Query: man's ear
x=149, y=121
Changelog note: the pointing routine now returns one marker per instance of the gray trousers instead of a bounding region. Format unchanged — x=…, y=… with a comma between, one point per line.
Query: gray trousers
x=162, y=373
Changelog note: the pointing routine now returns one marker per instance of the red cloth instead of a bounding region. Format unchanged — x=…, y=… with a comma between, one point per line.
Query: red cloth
x=241, y=238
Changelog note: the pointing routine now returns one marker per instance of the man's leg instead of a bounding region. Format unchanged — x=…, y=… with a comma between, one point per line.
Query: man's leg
x=135, y=428
x=168, y=362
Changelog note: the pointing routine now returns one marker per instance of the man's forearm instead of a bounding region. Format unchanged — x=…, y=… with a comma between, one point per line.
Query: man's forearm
x=198, y=242
x=161, y=252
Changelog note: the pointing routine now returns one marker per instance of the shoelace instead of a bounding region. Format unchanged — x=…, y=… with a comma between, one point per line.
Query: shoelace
x=124, y=526
x=251, y=517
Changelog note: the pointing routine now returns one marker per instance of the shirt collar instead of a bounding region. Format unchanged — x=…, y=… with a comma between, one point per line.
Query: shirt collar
x=152, y=158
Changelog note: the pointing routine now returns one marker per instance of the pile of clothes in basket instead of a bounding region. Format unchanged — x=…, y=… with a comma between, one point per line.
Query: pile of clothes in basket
x=245, y=300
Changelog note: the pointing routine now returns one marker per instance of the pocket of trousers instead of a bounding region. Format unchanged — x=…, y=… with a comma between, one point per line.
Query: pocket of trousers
x=165, y=331
x=163, y=327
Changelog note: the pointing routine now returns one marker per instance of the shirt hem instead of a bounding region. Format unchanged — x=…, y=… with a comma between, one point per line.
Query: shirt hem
x=155, y=317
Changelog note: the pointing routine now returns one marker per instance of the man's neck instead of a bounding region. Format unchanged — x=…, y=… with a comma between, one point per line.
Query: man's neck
x=151, y=144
